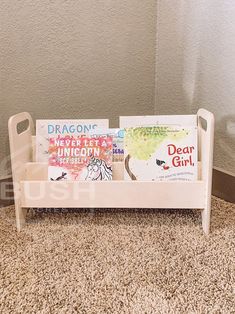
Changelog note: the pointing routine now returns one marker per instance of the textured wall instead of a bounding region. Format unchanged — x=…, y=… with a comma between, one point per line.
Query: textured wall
x=76, y=59
x=97, y=59
x=196, y=66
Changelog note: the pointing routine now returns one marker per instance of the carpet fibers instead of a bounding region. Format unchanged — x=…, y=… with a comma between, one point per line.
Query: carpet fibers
x=118, y=261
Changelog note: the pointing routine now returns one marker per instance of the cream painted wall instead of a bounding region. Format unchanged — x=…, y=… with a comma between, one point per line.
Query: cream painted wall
x=76, y=59
x=97, y=59
x=196, y=66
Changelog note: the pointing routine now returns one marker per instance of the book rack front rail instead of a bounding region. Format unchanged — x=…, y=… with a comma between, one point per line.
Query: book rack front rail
x=117, y=194
x=37, y=191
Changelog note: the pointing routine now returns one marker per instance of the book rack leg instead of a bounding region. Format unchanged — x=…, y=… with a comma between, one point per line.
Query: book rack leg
x=20, y=216
x=206, y=212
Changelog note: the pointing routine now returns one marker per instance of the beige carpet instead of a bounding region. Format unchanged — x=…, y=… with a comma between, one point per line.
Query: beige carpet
x=118, y=261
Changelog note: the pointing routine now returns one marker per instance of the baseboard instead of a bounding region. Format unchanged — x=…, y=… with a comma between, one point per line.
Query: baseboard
x=223, y=186
x=6, y=192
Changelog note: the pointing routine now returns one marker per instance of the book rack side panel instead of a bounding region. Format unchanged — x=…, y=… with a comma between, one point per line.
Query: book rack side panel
x=206, y=146
x=21, y=129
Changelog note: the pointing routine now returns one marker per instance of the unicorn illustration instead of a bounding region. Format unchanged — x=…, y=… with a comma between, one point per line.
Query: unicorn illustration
x=98, y=170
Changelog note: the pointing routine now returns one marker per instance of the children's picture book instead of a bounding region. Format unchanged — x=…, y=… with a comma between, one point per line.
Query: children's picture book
x=80, y=158
x=118, y=141
x=177, y=120
x=46, y=129
x=118, y=145
x=161, y=153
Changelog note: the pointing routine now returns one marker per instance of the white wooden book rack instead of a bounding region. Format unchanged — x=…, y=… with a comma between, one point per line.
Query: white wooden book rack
x=32, y=188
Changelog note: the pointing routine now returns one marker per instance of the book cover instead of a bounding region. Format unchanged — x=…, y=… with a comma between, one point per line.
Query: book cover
x=80, y=158
x=46, y=129
x=177, y=120
x=118, y=145
x=160, y=153
x=118, y=141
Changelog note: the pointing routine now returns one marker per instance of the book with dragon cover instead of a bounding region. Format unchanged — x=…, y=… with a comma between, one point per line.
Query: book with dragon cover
x=46, y=129
x=161, y=153
x=80, y=158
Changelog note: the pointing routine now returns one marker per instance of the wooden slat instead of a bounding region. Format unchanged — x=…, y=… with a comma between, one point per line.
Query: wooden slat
x=37, y=171
x=115, y=194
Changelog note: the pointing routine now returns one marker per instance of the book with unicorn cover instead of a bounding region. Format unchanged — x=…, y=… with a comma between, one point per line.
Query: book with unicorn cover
x=46, y=129
x=80, y=158
x=161, y=153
